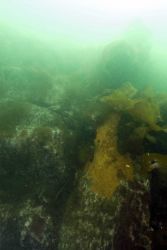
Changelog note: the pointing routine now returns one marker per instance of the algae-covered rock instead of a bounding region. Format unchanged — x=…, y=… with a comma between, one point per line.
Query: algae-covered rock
x=108, y=166
x=30, y=227
x=35, y=173
x=92, y=221
x=12, y=113
x=77, y=173
x=97, y=213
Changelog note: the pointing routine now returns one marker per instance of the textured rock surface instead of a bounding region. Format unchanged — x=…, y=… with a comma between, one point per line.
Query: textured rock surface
x=34, y=172
x=110, y=208
x=94, y=222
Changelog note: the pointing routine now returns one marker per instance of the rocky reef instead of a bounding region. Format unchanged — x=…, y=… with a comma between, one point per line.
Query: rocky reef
x=113, y=207
x=81, y=169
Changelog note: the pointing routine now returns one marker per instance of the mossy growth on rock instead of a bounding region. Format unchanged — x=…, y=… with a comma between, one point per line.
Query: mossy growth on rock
x=43, y=134
x=108, y=167
x=12, y=114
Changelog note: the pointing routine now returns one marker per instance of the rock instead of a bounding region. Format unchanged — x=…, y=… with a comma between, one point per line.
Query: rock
x=93, y=222
x=36, y=176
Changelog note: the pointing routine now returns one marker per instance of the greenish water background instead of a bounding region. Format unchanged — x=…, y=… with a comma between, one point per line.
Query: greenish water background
x=79, y=30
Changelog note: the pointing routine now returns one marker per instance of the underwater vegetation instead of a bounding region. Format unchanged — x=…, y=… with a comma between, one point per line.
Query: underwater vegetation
x=115, y=182
x=142, y=108
x=82, y=146
x=108, y=166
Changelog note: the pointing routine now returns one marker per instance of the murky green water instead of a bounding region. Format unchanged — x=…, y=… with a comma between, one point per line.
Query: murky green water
x=83, y=125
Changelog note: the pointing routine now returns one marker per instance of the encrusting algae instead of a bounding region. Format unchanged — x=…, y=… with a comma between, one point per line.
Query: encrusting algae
x=108, y=167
